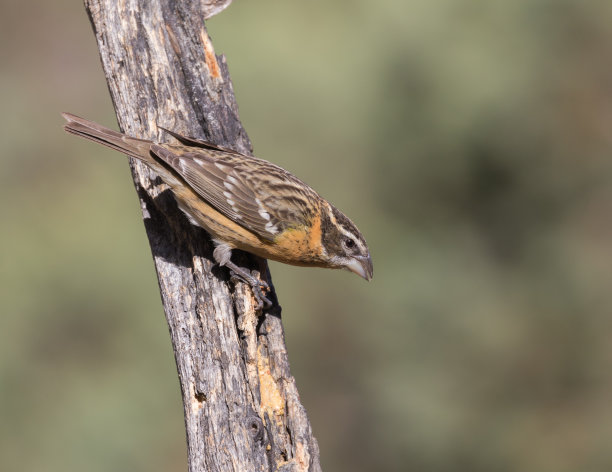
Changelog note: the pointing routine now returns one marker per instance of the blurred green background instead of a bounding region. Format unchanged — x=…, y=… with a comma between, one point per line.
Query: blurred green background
x=469, y=140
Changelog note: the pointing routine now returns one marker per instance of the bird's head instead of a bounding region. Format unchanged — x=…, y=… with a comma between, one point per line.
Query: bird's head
x=343, y=244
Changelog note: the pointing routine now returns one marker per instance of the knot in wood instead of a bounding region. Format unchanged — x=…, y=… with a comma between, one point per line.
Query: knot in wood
x=256, y=428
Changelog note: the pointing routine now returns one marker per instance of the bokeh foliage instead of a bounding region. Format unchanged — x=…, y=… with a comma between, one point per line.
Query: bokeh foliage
x=469, y=140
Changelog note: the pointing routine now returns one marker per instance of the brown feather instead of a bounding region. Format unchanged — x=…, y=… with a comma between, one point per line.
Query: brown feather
x=253, y=193
x=243, y=202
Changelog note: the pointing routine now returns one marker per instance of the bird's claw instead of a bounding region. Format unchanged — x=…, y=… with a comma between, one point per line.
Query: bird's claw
x=256, y=285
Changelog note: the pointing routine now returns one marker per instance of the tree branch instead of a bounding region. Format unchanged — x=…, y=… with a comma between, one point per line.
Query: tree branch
x=241, y=405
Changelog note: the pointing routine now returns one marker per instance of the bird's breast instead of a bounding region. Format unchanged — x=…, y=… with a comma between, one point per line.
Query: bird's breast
x=299, y=245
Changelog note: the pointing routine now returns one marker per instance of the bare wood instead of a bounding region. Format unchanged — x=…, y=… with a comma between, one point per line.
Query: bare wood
x=241, y=404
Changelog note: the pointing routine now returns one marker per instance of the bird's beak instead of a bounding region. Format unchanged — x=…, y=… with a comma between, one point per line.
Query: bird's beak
x=362, y=266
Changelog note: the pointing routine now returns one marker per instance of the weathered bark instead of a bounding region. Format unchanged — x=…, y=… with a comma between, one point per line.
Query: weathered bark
x=241, y=405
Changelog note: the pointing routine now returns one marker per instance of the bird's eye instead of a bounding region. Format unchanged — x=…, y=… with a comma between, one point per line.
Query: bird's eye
x=349, y=243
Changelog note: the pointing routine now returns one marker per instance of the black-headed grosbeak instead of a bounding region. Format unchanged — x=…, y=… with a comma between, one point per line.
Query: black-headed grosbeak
x=244, y=203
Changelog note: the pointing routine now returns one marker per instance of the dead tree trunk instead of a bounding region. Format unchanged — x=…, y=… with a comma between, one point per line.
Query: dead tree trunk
x=241, y=405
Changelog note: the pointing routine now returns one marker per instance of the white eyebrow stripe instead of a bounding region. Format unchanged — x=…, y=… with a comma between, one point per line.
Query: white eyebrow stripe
x=348, y=234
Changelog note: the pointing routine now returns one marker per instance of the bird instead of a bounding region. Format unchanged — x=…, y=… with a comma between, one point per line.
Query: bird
x=244, y=203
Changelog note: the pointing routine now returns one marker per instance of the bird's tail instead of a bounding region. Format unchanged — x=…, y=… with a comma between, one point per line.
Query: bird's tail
x=138, y=148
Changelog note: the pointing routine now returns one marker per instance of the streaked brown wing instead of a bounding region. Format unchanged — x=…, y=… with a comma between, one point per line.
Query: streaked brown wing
x=254, y=193
x=198, y=142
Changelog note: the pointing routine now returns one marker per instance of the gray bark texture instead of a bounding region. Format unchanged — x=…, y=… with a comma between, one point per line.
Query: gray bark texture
x=241, y=405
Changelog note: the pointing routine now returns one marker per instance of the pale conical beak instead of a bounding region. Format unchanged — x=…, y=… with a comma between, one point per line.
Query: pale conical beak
x=362, y=266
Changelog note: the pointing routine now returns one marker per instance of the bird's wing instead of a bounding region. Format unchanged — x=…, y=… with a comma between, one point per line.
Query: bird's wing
x=254, y=193
x=200, y=143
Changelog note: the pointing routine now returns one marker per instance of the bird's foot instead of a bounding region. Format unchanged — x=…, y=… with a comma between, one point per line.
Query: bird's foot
x=258, y=286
